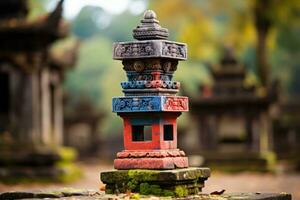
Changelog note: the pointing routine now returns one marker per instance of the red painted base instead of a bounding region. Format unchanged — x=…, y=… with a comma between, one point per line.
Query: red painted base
x=151, y=163
x=155, y=159
x=151, y=153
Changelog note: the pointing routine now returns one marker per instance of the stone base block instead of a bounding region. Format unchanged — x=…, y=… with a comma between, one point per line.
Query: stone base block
x=176, y=182
x=155, y=159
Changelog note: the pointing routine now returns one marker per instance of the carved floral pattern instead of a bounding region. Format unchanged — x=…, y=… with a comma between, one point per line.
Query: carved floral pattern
x=151, y=154
x=151, y=48
x=150, y=104
x=136, y=104
x=167, y=66
x=176, y=103
x=174, y=50
x=134, y=49
x=150, y=84
x=148, y=77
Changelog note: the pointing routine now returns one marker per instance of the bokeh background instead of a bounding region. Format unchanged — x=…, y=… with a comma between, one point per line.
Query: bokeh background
x=206, y=26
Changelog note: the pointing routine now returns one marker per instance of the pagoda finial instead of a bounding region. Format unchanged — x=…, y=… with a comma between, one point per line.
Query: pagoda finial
x=149, y=14
x=150, y=28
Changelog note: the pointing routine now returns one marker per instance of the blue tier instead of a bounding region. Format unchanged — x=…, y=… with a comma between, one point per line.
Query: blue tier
x=150, y=84
x=150, y=104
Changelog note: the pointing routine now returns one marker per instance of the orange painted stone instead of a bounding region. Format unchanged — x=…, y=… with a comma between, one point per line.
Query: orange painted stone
x=151, y=163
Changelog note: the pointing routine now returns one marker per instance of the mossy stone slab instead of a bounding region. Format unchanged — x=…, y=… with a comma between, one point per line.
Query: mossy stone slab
x=175, y=175
x=176, y=182
x=48, y=194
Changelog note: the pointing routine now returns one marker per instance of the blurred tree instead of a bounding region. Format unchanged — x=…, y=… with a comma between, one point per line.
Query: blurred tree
x=263, y=23
x=249, y=26
x=120, y=27
x=287, y=58
x=88, y=22
x=96, y=76
x=86, y=77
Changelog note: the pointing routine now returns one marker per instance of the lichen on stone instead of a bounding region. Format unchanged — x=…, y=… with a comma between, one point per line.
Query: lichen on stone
x=181, y=191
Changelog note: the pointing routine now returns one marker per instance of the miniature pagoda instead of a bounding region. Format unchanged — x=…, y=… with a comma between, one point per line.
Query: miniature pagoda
x=31, y=113
x=151, y=163
x=234, y=126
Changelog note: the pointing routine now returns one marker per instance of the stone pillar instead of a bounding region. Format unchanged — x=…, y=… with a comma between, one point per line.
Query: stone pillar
x=27, y=110
x=253, y=133
x=56, y=104
x=58, y=114
x=45, y=107
x=264, y=133
x=255, y=141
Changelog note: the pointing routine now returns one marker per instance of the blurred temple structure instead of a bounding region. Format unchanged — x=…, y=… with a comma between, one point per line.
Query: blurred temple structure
x=31, y=110
x=81, y=124
x=287, y=131
x=234, y=126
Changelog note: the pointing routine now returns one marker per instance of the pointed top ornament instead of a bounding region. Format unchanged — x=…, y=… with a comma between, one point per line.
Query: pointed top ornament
x=149, y=29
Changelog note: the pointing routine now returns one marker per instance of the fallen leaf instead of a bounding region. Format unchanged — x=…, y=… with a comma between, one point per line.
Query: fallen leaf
x=102, y=187
x=218, y=192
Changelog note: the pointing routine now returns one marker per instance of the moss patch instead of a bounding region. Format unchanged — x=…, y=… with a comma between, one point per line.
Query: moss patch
x=173, y=183
x=181, y=191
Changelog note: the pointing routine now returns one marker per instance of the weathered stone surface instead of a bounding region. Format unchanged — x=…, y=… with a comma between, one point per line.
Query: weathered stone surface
x=151, y=154
x=150, y=28
x=42, y=194
x=247, y=196
x=150, y=49
x=156, y=175
x=75, y=194
x=151, y=163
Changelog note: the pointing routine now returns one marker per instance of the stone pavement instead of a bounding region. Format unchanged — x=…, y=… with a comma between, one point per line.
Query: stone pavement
x=73, y=194
x=232, y=183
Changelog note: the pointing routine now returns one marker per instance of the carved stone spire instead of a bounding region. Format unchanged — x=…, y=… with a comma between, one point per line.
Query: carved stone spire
x=229, y=57
x=150, y=28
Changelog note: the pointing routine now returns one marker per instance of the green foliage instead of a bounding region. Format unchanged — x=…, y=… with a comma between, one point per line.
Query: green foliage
x=86, y=22
x=120, y=28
